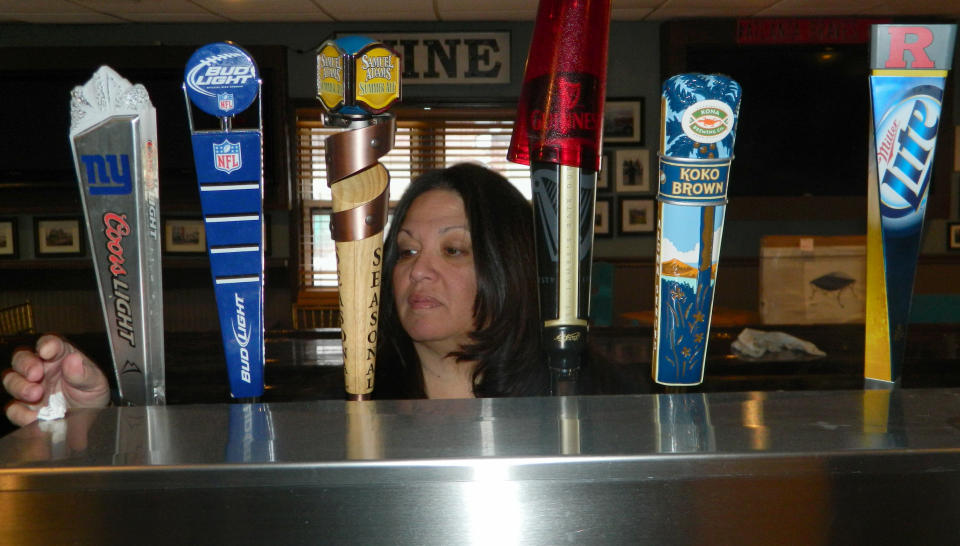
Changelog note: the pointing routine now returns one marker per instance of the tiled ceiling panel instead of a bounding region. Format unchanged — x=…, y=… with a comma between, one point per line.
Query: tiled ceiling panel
x=366, y=10
x=266, y=11
x=192, y=11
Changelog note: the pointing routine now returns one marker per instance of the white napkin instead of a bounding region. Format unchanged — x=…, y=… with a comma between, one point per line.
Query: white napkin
x=56, y=408
x=756, y=343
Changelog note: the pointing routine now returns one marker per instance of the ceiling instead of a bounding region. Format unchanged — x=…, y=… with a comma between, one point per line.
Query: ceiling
x=288, y=11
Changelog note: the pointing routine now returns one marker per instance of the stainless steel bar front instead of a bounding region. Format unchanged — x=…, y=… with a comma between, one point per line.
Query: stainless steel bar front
x=753, y=467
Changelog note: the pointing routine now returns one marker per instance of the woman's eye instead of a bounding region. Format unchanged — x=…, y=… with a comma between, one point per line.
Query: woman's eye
x=407, y=253
x=454, y=251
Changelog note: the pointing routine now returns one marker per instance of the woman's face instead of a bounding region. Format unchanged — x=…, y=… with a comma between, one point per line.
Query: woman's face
x=434, y=281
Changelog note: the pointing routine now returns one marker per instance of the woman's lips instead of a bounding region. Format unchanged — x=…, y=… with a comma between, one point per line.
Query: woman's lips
x=418, y=301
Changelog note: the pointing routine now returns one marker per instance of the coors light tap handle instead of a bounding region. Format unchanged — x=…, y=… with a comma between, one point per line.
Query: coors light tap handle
x=699, y=116
x=909, y=72
x=358, y=79
x=557, y=132
x=221, y=80
x=113, y=134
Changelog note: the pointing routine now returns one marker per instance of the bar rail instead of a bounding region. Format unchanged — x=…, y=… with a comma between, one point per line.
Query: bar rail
x=825, y=467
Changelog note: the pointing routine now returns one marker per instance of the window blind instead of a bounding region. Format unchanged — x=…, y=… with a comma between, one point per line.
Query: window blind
x=426, y=139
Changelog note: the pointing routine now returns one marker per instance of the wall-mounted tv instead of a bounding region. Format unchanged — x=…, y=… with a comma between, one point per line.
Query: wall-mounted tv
x=805, y=111
x=804, y=116
x=35, y=85
x=34, y=143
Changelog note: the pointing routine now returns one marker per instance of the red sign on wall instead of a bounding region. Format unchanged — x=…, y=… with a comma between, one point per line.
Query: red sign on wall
x=805, y=31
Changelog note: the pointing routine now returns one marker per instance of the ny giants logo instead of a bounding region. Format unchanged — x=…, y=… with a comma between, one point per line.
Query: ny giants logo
x=108, y=174
x=115, y=229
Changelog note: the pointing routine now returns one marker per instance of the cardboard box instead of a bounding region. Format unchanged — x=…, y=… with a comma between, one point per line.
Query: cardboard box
x=812, y=279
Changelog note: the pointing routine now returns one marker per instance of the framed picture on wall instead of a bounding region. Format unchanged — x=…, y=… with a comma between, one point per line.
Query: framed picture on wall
x=632, y=170
x=266, y=234
x=953, y=236
x=637, y=216
x=602, y=217
x=8, y=238
x=603, y=176
x=58, y=237
x=184, y=236
x=623, y=121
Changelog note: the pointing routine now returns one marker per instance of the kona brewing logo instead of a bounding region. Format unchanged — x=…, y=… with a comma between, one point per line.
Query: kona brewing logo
x=707, y=121
x=226, y=156
x=115, y=229
x=241, y=334
x=905, y=169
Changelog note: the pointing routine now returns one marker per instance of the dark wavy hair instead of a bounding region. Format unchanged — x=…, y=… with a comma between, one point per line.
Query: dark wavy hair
x=506, y=344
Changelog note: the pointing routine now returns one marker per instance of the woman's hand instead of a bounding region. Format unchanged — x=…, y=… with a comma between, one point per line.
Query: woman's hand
x=56, y=366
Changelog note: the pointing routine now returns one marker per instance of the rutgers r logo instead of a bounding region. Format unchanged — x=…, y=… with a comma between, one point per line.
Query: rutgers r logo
x=916, y=40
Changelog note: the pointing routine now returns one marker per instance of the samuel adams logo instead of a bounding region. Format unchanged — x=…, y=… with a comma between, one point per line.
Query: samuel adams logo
x=708, y=121
x=226, y=156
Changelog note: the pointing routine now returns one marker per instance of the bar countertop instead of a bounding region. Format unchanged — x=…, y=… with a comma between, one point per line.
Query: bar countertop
x=805, y=467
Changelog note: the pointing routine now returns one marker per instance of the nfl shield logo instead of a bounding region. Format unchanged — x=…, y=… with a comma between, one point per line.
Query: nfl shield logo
x=226, y=156
x=225, y=100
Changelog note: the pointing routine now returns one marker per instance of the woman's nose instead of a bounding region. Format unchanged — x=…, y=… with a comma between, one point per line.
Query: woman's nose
x=423, y=267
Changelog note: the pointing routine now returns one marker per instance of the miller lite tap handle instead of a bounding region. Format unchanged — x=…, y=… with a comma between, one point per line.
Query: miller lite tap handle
x=358, y=79
x=909, y=66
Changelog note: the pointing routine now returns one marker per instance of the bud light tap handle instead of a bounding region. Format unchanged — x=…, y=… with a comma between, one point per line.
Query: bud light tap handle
x=221, y=79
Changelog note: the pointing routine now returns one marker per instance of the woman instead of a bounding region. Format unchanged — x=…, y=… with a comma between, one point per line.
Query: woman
x=458, y=319
x=465, y=234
